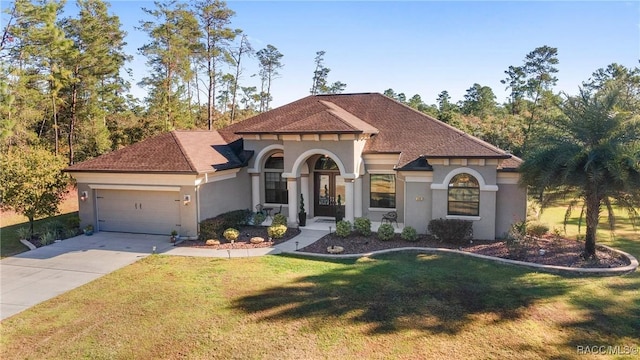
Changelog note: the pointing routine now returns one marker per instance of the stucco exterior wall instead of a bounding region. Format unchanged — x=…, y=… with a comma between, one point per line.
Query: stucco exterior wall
x=511, y=207
x=87, y=208
x=418, y=204
x=217, y=197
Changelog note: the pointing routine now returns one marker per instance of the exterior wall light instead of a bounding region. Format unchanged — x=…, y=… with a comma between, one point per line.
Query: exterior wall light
x=84, y=196
x=187, y=199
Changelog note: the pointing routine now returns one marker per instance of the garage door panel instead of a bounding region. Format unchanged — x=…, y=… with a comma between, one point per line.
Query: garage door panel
x=149, y=212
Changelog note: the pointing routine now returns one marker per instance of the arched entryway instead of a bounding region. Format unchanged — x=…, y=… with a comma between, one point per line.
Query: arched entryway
x=329, y=188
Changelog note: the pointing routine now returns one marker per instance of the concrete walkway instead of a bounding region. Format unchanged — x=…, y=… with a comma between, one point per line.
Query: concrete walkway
x=38, y=275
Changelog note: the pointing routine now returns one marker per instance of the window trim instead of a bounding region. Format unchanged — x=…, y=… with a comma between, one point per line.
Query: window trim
x=476, y=188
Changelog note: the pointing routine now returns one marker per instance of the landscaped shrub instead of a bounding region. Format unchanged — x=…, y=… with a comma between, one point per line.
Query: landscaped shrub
x=258, y=218
x=238, y=217
x=385, y=232
x=24, y=233
x=213, y=228
x=276, y=231
x=47, y=237
x=231, y=234
x=518, y=242
x=73, y=222
x=343, y=228
x=451, y=231
x=537, y=229
x=409, y=234
x=362, y=226
x=279, y=219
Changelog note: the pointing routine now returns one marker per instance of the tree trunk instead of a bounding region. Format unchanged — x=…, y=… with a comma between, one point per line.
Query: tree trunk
x=593, y=218
x=72, y=121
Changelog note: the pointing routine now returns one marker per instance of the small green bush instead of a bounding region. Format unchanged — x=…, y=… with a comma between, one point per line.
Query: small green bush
x=362, y=226
x=343, y=228
x=47, y=237
x=537, y=229
x=385, y=232
x=409, y=234
x=24, y=233
x=452, y=231
x=279, y=219
x=258, y=218
x=276, y=231
x=231, y=234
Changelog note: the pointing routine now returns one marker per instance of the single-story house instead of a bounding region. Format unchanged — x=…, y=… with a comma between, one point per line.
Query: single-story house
x=366, y=151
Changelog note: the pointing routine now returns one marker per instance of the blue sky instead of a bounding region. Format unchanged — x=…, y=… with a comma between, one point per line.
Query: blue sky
x=420, y=47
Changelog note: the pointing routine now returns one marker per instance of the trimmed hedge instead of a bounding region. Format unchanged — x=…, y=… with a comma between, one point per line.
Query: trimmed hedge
x=276, y=231
x=452, y=231
x=343, y=228
x=362, y=226
x=409, y=234
x=385, y=232
x=279, y=219
x=213, y=228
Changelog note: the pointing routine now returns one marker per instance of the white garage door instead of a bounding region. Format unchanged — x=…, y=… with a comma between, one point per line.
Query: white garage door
x=134, y=211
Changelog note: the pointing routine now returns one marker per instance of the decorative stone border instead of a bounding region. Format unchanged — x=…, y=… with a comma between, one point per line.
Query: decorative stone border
x=563, y=270
x=28, y=244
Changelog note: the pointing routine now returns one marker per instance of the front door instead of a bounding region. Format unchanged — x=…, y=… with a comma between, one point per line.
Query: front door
x=329, y=188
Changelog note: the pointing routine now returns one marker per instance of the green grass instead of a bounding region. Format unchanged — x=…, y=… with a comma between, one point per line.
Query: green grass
x=406, y=305
x=10, y=242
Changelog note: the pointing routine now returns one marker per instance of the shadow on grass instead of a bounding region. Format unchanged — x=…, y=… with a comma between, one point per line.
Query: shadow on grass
x=395, y=292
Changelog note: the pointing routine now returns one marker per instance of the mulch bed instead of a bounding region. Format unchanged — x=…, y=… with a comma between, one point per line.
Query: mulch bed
x=559, y=252
x=246, y=233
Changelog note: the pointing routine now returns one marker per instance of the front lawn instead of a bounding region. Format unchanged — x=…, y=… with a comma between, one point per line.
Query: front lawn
x=407, y=305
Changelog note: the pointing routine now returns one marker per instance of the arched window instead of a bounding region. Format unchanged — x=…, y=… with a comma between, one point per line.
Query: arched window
x=275, y=186
x=326, y=163
x=464, y=196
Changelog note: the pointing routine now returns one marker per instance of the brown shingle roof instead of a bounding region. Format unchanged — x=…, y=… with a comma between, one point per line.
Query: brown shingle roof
x=395, y=128
x=174, y=152
x=398, y=128
x=307, y=115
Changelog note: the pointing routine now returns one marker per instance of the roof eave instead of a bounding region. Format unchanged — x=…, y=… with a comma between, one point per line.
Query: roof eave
x=115, y=171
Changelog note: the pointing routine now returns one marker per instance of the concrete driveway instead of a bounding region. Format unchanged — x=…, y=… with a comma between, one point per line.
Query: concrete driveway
x=35, y=276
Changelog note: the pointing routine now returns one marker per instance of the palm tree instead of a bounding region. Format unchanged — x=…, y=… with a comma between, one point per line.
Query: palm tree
x=592, y=153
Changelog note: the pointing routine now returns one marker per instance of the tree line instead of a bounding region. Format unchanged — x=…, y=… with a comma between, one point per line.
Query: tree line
x=62, y=83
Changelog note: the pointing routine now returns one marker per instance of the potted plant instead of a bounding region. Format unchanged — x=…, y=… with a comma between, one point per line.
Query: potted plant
x=174, y=236
x=302, y=215
x=339, y=214
x=88, y=230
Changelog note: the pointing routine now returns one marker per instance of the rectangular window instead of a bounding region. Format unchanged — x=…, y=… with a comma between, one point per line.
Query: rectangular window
x=464, y=201
x=383, y=191
x=275, y=188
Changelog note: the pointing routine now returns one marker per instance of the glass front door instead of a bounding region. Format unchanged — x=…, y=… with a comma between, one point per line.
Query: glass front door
x=329, y=188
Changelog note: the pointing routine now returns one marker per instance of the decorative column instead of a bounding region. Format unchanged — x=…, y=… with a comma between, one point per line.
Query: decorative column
x=304, y=190
x=348, y=204
x=255, y=190
x=358, y=197
x=292, y=187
